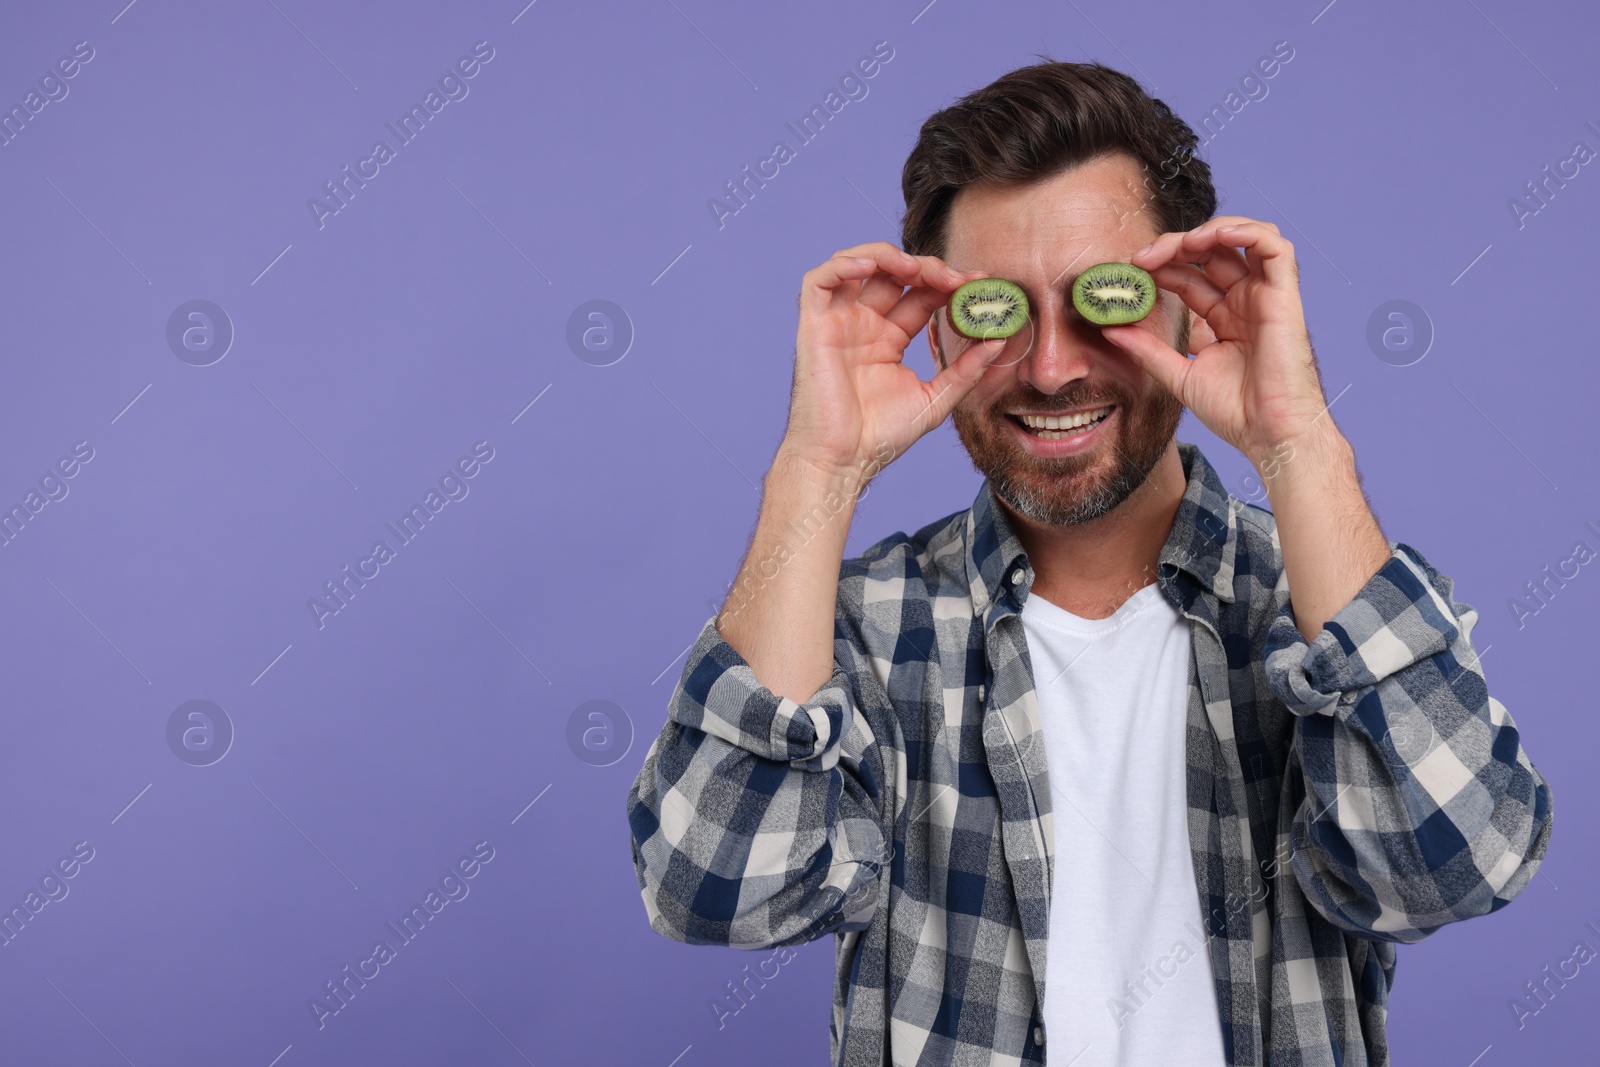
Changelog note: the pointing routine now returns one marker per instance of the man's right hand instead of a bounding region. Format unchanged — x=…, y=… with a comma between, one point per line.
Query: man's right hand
x=853, y=395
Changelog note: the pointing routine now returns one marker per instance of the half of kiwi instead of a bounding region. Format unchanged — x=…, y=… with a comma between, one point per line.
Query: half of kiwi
x=989, y=307
x=1111, y=294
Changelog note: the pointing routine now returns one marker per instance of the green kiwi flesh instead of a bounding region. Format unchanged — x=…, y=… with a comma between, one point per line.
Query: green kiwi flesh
x=989, y=307
x=1111, y=294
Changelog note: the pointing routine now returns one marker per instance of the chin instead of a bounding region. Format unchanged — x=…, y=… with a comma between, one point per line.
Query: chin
x=1074, y=488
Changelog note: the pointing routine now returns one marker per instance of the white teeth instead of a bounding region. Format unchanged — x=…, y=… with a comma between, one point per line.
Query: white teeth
x=1063, y=422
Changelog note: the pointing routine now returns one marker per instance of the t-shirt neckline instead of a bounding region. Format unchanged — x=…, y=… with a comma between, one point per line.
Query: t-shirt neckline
x=1038, y=609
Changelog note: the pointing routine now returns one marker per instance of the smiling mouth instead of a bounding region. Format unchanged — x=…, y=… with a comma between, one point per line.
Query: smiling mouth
x=1056, y=427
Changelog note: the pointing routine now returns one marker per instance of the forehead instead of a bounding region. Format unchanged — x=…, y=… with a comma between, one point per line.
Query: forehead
x=1053, y=228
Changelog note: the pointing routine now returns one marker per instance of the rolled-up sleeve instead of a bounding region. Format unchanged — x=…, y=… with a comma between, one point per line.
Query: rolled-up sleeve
x=1415, y=802
x=757, y=821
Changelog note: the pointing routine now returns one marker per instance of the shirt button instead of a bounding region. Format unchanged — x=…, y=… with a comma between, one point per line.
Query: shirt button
x=982, y=689
x=1038, y=1035
x=1016, y=576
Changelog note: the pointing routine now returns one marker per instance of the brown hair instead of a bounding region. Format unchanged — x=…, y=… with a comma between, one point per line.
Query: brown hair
x=1041, y=119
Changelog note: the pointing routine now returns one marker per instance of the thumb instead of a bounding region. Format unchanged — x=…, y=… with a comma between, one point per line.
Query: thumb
x=1163, y=362
x=955, y=381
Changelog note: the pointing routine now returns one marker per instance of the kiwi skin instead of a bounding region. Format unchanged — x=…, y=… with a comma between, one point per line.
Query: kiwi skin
x=990, y=323
x=1117, y=310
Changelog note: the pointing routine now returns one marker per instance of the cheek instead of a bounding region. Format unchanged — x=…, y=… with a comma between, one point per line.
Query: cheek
x=991, y=385
x=994, y=384
x=1165, y=314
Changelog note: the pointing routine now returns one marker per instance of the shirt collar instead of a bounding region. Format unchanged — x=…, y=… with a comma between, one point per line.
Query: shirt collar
x=1202, y=543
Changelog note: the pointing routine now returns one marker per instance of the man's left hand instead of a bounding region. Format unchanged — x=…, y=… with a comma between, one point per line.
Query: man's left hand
x=1253, y=380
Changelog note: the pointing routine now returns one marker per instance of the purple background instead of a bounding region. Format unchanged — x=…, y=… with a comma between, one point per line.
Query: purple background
x=373, y=351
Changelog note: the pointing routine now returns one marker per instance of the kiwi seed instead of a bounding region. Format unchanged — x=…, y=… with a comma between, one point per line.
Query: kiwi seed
x=1111, y=294
x=985, y=308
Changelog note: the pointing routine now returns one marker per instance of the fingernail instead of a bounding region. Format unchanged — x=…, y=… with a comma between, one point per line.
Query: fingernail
x=1145, y=249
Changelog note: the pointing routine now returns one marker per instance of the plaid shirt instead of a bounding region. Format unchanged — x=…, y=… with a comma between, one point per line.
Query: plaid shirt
x=1344, y=795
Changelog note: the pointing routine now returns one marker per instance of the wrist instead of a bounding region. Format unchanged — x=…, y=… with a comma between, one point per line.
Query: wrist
x=1315, y=476
x=823, y=474
x=1313, y=456
x=790, y=461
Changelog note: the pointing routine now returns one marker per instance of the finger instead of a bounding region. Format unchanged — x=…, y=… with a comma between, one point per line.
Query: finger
x=825, y=282
x=913, y=310
x=1200, y=335
x=819, y=284
x=884, y=290
x=829, y=285
x=884, y=293
x=1218, y=221
x=881, y=292
x=870, y=249
x=1252, y=256
x=1168, y=246
x=1214, y=243
x=898, y=262
x=1211, y=248
x=879, y=250
x=1267, y=251
x=1225, y=266
x=1191, y=285
x=947, y=387
x=1163, y=362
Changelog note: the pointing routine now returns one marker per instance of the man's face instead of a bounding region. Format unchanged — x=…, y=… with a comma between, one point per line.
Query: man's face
x=1041, y=236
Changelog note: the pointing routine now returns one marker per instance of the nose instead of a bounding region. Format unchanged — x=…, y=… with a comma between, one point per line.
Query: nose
x=1063, y=349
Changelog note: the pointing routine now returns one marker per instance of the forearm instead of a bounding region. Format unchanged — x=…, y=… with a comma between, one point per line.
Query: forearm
x=1330, y=540
x=780, y=614
x=1417, y=804
x=736, y=770
x=759, y=715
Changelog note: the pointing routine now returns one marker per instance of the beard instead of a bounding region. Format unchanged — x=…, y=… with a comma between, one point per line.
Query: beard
x=1068, y=490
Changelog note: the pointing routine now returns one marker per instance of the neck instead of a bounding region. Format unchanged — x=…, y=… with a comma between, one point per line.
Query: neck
x=1090, y=568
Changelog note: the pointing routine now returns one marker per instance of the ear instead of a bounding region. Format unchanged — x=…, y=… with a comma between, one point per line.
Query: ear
x=1200, y=333
x=933, y=343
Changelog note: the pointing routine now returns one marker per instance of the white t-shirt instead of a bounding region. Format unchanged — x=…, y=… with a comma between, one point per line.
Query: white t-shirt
x=1129, y=977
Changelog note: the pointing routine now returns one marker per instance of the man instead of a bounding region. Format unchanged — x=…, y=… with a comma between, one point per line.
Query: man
x=1083, y=719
